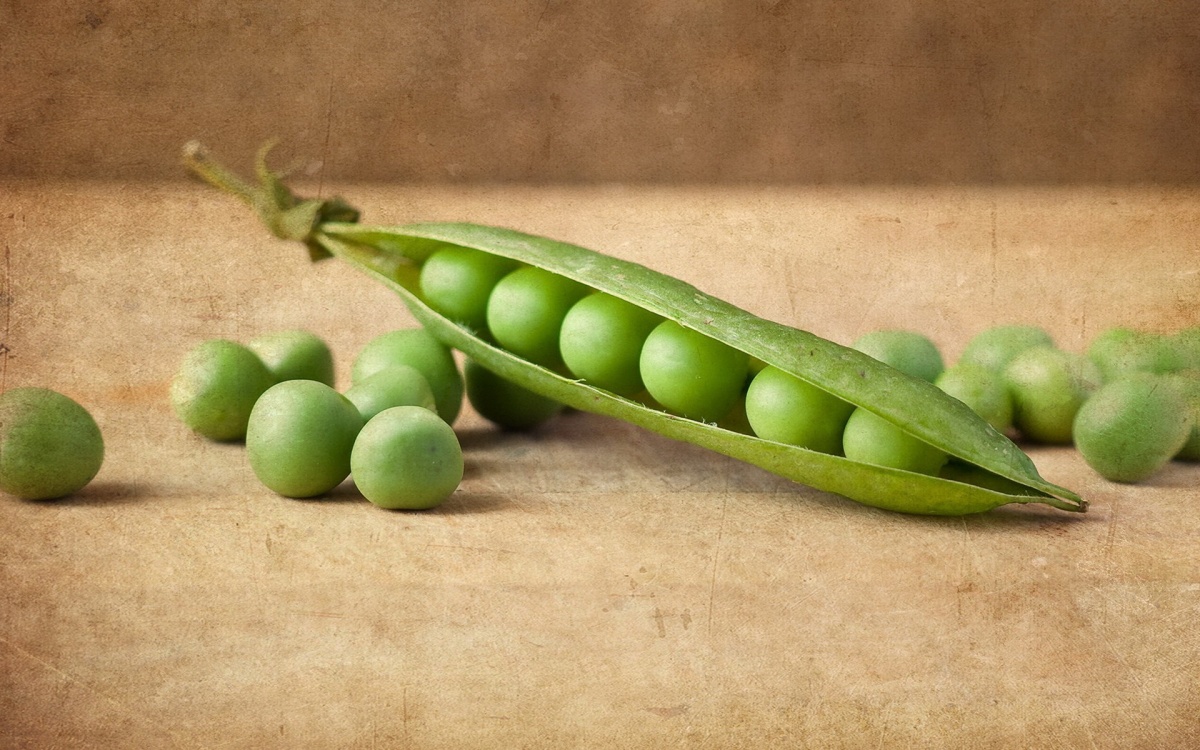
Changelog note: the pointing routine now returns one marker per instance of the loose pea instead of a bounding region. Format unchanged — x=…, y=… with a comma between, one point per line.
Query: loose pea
x=1132, y=426
x=1047, y=388
x=871, y=439
x=456, y=282
x=784, y=408
x=525, y=313
x=1188, y=384
x=1118, y=351
x=692, y=374
x=50, y=446
x=416, y=348
x=995, y=347
x=392, y=386
x=406, y=457
x=601, y=342
x=295, y=355
x=216, y=387
x=300, y=436
x=505, y=403
x=981, y=389
x=908, y=351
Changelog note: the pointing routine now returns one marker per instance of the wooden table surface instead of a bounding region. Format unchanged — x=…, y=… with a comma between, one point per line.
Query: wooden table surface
x=590, y=584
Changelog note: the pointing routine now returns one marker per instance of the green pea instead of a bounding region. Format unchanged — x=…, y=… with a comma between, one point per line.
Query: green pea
x=1047, y=387
x=50, y=446
x=300, y=436
x=525, y=313
x=1118, y=351
x=456, y=282
x=784, y=408
x=505, y=403
x=995, y=347
x=981, y=389
x=393, y=386
x=1188, y=384
x=908, y=351
x=216, y=387
x=295, y=355
x=416, y=348
x=1132, y=427
x=871, y=439
x=691, y=374
x=601, y=342
x=406, y=457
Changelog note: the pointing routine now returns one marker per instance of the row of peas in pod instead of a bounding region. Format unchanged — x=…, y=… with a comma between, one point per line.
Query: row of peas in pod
x=390, y=430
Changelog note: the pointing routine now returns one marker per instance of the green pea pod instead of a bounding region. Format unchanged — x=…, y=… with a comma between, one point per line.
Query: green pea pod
x=990, y=471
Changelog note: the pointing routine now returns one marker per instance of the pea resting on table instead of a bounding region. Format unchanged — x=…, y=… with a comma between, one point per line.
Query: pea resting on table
x=216, y=387
x=50, y=446
x=503, y=402
x=417, y=348
x=1048, y=386
x=407, y=458
x=399, y=385
x=993, y=348
x=295, y=355
x=1133, y=426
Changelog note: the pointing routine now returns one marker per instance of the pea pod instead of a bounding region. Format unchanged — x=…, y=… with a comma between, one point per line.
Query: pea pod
x=989, y=470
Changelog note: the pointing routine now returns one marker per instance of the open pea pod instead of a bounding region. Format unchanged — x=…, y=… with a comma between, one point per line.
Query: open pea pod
x=990, y=469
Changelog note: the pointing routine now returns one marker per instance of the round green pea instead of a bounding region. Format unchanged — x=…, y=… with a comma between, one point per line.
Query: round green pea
x=300, y=436
x=505, y=403
x=601, y=342
x=981, y=389
x=406, y=457
x=417, y=348
x=525, y=313
x=871, y=439
x=786, y=409
x=909, y=352
x=1118, y=351
x=295, y=355
x=1047, y=388
x=692, y=374
x=392, y=386
x=50, y=446
x=457, y=281
x=1132, y=426
x=995, y=347
x=216, y=387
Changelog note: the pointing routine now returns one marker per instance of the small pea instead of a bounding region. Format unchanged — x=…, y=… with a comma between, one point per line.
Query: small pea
x=691, y=374
x=50, y=446
x=871, y=439
x=525, y=313
x=601, y=342
x=300, y=436
x=216, y=387
x=393, y=386
x=418, y=348
x=295, y=355
x=1047, y=388
x=505, y=403
x=785, y=409
x=993, y=348
x=406, y=457
x=457, y=281
x=981, y=389
x=1118, y=351
x=909, y=352
x=1132, y=427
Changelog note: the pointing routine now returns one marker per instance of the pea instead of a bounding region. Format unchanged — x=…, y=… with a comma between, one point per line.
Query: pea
x=995, y=347
x=1047, y=388
x=406, y=457
x=784, y=408
x=691, y=374
x=505, y=403
x=601, y=342
x=1132, y=427
x=872, y=439
x=392, y=386
x=416, y=348
x=295, y=355
x=216, y=387
x=50, y=446
x=456, y=282
x=1188, y=384
x=981, y=389
x=908, y=351
x=526, y=310
x=1118, y=351
x=300, y=436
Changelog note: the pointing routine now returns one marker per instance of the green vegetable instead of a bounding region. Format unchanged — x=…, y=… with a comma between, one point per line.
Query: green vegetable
x=216, y=387
x=300, y=436
x=1047, y=389
x=984, y=390
x=908, y=351
x=1188, y=384
x=1119, y=351
x=295, y=355
x=995, y=347
x=503, y=402
x=872, y=439
x=690, y=373
x=990, y=469
x=406, y=458
x=784, y=408
x=50, y=446
x=416, y=348
x=601, y=342
x=1132, y=426
x=456, y=282
x=525, y=313
x=399, y=385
